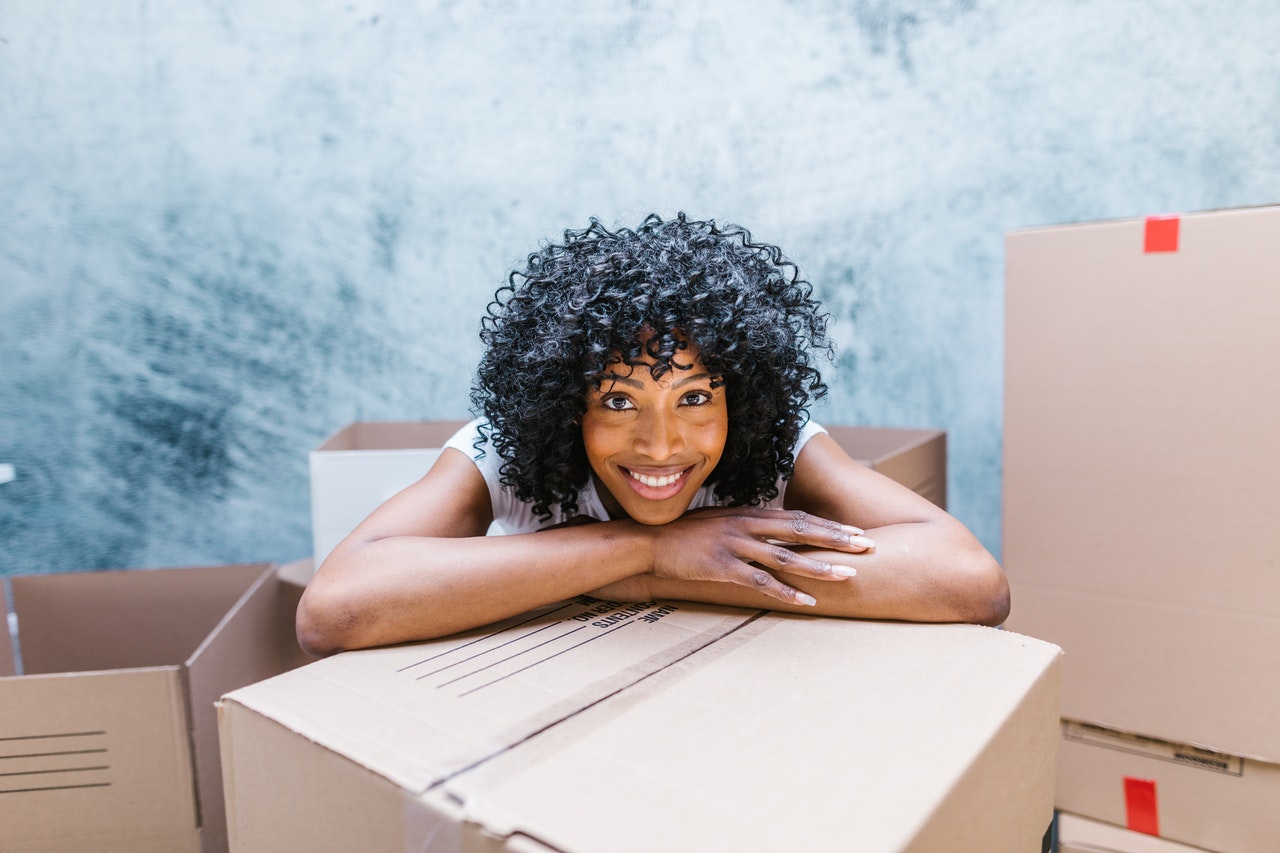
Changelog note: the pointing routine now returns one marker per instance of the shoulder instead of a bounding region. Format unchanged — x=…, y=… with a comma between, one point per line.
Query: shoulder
x=512, y=514
x=473, y=441
x=470, y=439
x=808, y=431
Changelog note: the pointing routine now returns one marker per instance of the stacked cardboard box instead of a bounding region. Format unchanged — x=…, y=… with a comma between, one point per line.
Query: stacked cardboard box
x=108, y=733
x=597, y=726
x=1140, y=469
x=364, y=463
x=1078, y=834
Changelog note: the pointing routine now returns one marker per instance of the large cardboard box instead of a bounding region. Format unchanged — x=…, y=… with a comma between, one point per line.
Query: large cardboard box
x=1140, y=463
x=597, y=726
x=364, y=463
x=1077, y=834
x=108, y=732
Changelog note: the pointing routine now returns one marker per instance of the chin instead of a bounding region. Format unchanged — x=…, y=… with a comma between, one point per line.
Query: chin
x=653, y=516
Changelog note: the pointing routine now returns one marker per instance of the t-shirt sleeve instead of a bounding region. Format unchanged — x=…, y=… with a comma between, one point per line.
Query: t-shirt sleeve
x=509, y=514
x=467, y=441
x=808, y=431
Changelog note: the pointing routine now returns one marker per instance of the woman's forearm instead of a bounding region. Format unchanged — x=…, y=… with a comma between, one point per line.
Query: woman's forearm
x=413, y=588
x=912, y=574
x=380, y=590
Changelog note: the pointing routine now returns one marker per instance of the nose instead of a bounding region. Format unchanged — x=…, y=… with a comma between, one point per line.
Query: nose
x=659, y=435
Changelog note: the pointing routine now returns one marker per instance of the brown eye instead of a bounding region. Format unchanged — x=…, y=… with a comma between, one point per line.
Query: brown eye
x=695, y=398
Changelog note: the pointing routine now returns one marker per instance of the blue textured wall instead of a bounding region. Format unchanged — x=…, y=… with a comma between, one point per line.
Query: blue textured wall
x=227, y=229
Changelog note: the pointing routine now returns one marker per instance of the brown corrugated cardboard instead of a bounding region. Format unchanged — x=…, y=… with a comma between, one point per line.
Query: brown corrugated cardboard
x=293, y=577
x=1140, y=461
x=108, y=740
x=917, y=458
x=606, y=727
x=1078, y=834
x=365, y=463
x=7, y=661
x=1214, y=800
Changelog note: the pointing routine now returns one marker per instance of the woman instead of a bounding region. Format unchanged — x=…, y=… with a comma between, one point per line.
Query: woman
x=644, y=436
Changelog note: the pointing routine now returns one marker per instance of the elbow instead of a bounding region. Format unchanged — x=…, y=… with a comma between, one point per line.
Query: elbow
x=990, y=599
x=322, y=628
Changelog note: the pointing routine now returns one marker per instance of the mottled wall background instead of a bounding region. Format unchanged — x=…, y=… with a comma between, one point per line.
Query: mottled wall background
x=229, y=228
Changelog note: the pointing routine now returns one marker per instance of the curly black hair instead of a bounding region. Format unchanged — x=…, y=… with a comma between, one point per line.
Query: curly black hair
x=583, y=304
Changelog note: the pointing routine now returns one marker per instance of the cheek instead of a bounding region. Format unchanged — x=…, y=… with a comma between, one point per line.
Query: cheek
x=712, y=436
x=599, y=441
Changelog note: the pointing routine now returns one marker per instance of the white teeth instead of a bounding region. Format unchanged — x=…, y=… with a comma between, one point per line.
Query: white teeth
x=654, y=482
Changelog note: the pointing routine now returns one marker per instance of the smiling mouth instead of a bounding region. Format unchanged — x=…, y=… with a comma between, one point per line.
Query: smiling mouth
x=658, y=481
x=655, y=482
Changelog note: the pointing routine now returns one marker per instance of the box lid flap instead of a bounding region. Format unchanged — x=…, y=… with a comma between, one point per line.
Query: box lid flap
x=389, y=435
x=88, y=621
x=8, y=664
x=242, y=648
x=420, y=713
x=861, y=728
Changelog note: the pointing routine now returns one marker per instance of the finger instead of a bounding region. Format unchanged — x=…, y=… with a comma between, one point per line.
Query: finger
x=764, y=582
x=802, y=528
x=784, y=559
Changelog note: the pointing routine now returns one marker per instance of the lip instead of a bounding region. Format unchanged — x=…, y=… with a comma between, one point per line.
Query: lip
x=671, y=481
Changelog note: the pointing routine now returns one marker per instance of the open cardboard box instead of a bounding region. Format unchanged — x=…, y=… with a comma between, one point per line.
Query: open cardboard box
x=365, y=463
x=293, y=578
x=1140, y=468
x=108, y=737
x=597, y=726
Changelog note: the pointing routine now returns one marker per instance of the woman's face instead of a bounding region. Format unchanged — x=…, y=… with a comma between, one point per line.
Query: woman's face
x=653, y=443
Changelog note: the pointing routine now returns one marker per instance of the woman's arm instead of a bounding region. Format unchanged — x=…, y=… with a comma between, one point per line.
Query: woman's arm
x=420, y=565
x=925, y=567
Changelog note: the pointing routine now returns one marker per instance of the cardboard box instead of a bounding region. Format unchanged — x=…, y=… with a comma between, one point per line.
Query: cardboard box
x=293, y=578
x=597, y=726
x=917, y=458
x=1177, y=791
x=108, y=737
x=1078, y=834
x=365, y=463
x=1140, y=462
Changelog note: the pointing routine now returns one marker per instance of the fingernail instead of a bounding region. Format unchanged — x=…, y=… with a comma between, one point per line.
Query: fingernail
x=862, y=541
x=852, y=531
x=843, y=571
x=807, y=600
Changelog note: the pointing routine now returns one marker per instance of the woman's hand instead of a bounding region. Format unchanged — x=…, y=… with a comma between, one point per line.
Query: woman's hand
x=747, y=545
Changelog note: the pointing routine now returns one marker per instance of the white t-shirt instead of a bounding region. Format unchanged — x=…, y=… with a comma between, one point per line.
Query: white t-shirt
x=516, y=516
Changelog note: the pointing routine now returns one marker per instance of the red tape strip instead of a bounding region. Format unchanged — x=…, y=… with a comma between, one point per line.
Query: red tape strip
x=1140, y=805
x=1161, y=234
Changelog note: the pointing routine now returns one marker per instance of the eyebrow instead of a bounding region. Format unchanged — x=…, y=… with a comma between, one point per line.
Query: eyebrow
x=636, y=383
